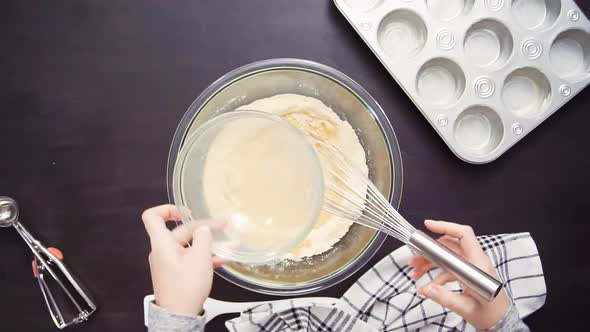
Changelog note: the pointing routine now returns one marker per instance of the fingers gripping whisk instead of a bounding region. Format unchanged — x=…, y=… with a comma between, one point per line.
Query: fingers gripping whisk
x=351, y=195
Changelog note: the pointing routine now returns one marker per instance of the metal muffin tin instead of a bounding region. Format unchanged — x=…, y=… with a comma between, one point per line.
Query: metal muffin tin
x=484, y=73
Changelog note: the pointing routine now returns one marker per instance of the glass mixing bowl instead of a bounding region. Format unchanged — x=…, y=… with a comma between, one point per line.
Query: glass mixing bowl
x=352, y=103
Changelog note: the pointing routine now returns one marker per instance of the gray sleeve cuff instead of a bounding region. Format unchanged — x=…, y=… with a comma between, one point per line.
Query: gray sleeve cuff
x=160, y=320
x=510, y=323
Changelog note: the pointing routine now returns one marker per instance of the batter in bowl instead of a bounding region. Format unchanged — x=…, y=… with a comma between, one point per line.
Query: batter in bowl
x=312, y=116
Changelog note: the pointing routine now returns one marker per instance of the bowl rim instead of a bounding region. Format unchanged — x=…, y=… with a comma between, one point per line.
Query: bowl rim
x=396, y=173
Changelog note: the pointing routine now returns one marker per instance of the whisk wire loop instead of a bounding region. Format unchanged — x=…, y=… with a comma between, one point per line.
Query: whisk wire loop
x=351, y=195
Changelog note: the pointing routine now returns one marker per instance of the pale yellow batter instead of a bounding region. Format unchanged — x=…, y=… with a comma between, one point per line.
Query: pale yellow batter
x=313, y=117
x=259, y=177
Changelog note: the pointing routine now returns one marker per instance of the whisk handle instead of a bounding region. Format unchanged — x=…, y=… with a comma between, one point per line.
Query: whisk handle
x=470, y=275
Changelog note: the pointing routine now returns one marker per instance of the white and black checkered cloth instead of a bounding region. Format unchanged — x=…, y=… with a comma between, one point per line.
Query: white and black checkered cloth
x=385, y=298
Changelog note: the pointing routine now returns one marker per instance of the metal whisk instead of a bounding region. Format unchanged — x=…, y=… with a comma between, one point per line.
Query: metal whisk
x=352, y=196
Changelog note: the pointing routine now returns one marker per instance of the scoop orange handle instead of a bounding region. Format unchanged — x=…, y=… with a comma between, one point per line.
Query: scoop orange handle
x=55, y=252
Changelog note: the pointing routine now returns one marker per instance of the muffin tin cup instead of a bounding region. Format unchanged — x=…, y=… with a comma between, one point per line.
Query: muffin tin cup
x=500, y=67
x=570, y=54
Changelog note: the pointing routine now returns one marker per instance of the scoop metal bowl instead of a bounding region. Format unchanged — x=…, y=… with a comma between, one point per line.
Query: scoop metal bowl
x=8, y=212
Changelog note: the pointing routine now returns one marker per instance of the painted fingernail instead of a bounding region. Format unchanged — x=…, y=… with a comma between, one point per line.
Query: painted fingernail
x=203, y=231
x=433, y=289
x=423, y=290
x=429, y=290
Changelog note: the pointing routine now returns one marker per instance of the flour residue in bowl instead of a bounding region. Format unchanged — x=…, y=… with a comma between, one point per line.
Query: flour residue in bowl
x=312, y=116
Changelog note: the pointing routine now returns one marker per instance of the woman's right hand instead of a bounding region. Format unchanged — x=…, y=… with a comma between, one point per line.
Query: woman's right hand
x=181, y=275
x=477, y=311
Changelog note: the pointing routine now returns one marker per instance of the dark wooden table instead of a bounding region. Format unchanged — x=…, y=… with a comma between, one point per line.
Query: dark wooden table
x=91, y=92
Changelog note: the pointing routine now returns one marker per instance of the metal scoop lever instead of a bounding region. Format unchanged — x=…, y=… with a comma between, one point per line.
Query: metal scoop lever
x=49, y=261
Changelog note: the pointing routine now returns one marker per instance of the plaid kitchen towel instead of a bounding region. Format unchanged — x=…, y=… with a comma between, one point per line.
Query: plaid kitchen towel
x=385, y=298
